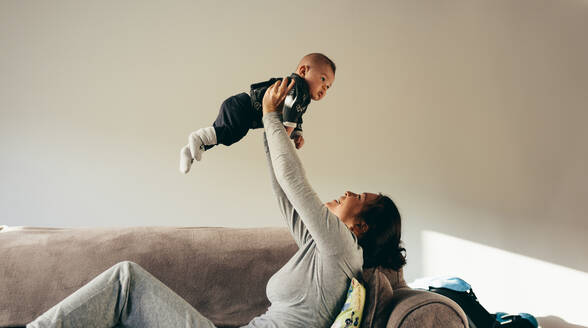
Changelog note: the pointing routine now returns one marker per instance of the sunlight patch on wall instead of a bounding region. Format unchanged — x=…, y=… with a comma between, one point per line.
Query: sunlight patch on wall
x=508, y=282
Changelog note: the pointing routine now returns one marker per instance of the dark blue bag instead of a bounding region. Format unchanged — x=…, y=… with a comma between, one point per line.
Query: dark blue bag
x=478, y=317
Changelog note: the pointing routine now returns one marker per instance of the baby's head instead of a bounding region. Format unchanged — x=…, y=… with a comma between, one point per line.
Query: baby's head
x=319, y=72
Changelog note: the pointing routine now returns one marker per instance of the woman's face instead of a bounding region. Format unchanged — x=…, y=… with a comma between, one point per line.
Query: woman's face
x=348, y=207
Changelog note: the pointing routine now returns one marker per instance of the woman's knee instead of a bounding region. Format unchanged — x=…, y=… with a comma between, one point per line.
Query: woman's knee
x=126, y=264
x=127, y=268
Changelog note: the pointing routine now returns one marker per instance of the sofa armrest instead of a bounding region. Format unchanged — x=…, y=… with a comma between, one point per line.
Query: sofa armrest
x=413, y=308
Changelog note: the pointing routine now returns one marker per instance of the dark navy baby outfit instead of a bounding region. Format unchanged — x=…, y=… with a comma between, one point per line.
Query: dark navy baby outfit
x=243, y=111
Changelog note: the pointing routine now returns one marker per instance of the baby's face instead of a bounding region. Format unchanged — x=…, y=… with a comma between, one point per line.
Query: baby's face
x=319, y=79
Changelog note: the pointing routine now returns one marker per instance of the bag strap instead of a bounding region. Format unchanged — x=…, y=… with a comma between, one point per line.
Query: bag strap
x=470, y=305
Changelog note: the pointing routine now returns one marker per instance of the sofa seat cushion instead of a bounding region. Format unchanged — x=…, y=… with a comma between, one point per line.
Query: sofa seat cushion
x=222, y=272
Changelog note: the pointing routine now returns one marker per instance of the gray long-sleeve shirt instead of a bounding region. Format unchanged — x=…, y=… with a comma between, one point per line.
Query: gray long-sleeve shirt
x=310, y=289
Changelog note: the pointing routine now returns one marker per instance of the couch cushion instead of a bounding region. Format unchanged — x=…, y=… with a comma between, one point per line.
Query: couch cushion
x=378, y=300
x=222, y=272
x=396, y=278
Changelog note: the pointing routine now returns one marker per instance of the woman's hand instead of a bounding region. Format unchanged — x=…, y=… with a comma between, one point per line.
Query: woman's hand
x=275, y=95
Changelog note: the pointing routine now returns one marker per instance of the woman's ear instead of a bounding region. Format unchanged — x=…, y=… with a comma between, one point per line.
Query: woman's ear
x=363, y=227
x=360, y=229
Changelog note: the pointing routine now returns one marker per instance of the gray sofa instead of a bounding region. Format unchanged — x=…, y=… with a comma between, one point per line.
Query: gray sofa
x=222, y=272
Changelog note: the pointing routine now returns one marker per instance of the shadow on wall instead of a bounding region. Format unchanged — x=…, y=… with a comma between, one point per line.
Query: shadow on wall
x=556, y=322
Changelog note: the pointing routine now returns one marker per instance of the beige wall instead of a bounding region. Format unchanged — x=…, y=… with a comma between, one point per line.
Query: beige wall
x=470, y=114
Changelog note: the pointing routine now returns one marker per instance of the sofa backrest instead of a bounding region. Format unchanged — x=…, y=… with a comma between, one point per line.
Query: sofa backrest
x=222, y=272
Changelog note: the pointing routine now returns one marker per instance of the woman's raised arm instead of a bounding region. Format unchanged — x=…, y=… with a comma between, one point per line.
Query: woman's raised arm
x=292, y=218
x=324, y=227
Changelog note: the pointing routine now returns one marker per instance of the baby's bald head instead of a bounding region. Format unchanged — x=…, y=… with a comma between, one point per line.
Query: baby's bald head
x=317, y=60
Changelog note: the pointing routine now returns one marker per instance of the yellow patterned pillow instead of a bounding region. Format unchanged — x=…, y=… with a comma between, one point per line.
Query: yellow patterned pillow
x=352, y=311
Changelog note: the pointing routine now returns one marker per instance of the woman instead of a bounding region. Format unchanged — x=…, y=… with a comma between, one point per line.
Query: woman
x=335, y=241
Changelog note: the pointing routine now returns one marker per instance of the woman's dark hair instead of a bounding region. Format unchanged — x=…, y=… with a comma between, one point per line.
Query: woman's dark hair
x=381, y=243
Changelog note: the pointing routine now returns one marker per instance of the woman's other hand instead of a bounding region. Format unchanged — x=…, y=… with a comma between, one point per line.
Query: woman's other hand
x=275, y=95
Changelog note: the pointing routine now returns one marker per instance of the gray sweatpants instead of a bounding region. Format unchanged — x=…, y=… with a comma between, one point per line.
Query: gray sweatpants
x=123, y=296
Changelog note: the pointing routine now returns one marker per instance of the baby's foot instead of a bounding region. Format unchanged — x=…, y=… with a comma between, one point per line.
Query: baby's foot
x=196, y=145
x=185, y=159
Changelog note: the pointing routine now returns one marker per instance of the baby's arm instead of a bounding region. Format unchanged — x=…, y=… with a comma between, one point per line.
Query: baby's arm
x=290, y=114
x=297, y=134
x=298, y=141
x=289, y=130
x=297, y=137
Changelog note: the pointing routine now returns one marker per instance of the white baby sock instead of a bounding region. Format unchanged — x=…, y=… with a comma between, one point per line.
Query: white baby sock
x=208, y=136
x=185, y=159
x=197, y=140
x=195, y=147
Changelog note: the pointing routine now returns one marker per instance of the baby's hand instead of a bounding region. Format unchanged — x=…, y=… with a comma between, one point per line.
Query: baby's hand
x=289, y=130
x=299, y=141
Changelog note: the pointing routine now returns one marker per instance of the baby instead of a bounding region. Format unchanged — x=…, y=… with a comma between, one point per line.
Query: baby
x=314, y=75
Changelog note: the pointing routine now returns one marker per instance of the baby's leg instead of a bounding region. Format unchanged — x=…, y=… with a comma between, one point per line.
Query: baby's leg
x=125, y=294
x=197, y=141
x=234, y=119
x=236, y=116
